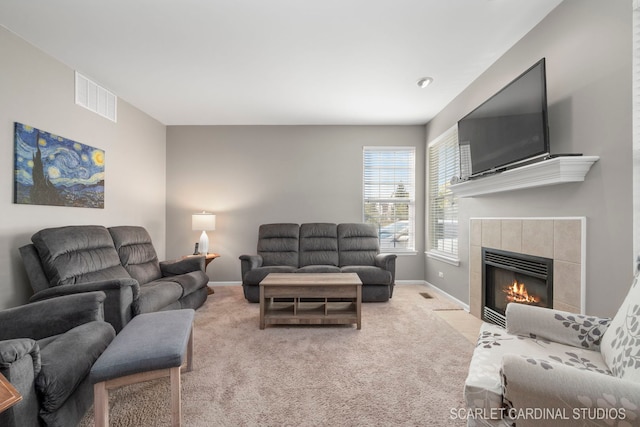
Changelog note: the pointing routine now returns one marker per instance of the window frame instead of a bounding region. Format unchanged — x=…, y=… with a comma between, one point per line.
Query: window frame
x=438, y=186
x=369, y=179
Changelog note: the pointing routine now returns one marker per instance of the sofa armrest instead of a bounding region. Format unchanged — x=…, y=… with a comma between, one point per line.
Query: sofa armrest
x=249, y=262
x=387, y=262
x=121, y=293
x=51, y=316
x=20, y=363
x=182, y=266
x=565, y=391
x=101, y=285
x=13, y=350
x=559, y=326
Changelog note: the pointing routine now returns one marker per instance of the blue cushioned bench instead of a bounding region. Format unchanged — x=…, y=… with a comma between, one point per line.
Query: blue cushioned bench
x=151, y=346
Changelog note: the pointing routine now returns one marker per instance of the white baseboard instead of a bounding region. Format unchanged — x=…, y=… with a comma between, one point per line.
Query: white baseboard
x=410, y=282
x=225, y=283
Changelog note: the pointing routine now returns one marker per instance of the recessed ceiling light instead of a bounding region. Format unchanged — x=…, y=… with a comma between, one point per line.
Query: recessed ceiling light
x=424, y=82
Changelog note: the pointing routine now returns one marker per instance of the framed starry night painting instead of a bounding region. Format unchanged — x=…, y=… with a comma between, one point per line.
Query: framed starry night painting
x=56, y=171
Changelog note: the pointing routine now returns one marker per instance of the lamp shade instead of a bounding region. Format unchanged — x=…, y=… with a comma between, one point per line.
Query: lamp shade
x=203, y=221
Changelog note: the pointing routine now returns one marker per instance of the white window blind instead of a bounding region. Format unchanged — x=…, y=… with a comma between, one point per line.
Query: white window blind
x=636, y=132
x=444, y=163
x=389, y=195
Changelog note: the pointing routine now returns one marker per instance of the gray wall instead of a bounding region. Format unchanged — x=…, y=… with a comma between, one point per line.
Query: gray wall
x=587, y=44
x=38, y=90
x=250, y=175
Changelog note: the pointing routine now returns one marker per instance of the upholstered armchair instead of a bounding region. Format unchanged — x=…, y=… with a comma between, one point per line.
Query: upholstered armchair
x=47, y=349
x=551, y=367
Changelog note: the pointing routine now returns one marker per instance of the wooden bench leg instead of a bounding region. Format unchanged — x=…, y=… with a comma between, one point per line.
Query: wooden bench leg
x=101, y=404
x=190, y=351
x=176, y=401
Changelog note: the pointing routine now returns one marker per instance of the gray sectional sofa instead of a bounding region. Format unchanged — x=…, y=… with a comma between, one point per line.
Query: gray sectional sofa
x=320, y=248
x=121, y=262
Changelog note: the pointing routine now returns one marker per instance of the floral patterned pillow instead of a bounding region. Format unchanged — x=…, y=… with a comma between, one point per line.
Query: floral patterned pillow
x=620, y=345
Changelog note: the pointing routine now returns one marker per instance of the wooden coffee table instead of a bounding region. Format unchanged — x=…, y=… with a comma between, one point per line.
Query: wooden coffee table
x=322, y=286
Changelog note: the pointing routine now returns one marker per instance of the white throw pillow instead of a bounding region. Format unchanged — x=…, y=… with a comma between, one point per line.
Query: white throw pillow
x=620, y=345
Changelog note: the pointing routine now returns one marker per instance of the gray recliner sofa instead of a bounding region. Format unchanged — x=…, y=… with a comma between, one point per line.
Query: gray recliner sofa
x=46, y=351
x=320, y=248
x=121, y=262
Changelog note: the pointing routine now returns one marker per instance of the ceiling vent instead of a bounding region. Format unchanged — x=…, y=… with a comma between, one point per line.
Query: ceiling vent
x=95, y=98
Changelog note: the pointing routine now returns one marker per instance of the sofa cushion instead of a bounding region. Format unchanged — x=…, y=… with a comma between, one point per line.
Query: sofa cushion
x=369, y=275
x=190, y=282
x=318, y=244
x=80, y=348
x=136, y=252
x=358, y=244
x=620, y=344
x=78, y=254
x=157, y=295
x=278, y=244
x=318, y=269
x=255, y=276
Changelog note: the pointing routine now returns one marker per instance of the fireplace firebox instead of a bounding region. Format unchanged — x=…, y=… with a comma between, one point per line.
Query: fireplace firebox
x=513, y=277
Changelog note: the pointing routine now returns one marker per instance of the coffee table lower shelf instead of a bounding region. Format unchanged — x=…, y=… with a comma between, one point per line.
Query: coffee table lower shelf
x=310, y=313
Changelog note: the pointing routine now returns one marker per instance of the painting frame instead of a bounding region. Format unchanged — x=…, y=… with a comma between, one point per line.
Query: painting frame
x=56, y=171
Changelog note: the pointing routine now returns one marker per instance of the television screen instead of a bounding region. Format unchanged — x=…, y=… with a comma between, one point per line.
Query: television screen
x=508, y=128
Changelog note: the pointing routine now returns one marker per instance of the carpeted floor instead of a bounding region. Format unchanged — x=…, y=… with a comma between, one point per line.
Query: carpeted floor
x=406, y=367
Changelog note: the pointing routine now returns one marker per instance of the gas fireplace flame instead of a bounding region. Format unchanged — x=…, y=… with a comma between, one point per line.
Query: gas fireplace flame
x=517, y=292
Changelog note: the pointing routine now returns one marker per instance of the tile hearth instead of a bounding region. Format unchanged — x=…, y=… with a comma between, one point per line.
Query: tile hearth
x=561, y=239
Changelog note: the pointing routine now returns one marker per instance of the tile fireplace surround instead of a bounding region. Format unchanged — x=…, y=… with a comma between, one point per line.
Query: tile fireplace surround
x=561, y=239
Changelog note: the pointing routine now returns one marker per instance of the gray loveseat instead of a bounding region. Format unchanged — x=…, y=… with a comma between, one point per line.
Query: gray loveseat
x=121, y=262
x=320, y=248
x=46, y=351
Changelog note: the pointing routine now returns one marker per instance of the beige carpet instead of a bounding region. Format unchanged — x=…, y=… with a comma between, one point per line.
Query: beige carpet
x=406, y=367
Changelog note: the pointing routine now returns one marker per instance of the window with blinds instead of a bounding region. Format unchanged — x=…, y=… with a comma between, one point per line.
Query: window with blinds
x=636, y=132
x=389, y=195
x=443, y=163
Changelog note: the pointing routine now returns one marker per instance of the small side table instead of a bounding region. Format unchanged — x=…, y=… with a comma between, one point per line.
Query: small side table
x=209, y=258
x=207, y=261
x=9, y=396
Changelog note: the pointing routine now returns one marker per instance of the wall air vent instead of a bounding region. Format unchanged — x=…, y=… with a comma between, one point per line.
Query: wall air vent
x=96, y=98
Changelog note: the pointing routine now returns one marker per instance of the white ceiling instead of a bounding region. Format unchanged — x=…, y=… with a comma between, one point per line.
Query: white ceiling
x=278, y=62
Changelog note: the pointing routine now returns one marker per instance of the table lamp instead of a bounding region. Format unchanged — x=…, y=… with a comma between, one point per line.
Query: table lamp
x=203, y=221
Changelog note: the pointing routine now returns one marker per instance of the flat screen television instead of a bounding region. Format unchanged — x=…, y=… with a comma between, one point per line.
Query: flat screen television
x=509, y=128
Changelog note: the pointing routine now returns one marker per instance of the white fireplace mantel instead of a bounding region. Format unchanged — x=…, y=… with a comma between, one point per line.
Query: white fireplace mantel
x=547, y=172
